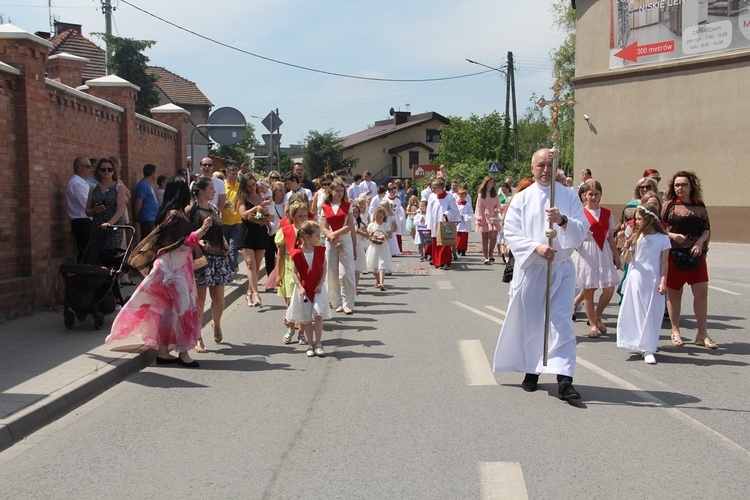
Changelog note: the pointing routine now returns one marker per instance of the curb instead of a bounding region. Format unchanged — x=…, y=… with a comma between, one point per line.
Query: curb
x=24, y=422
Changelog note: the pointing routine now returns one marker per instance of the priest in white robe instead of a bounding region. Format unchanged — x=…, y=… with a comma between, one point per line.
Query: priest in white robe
x=520, y=345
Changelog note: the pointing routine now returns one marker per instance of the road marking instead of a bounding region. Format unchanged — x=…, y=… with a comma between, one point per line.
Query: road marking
x=496, y=309
x=722, y=290
x=480, y=313
x=674, y=412
x=444, y=285
x=477, y=369
x=502, y=481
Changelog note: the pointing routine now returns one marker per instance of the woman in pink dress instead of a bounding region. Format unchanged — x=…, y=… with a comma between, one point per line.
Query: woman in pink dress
x=163, y=310
x=488, y=208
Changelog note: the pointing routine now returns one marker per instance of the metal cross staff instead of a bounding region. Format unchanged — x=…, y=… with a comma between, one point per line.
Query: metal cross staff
x=555, y=104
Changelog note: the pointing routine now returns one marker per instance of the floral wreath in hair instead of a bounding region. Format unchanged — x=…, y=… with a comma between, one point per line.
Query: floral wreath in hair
x=649, y=212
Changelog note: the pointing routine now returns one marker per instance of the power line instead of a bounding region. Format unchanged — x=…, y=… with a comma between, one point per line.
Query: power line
x=291, y=65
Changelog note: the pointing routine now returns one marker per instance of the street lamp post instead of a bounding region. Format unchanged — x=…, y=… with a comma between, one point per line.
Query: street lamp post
x=507, y=72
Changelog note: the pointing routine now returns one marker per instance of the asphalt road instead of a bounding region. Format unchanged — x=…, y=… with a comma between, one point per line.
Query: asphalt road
x=404, y=406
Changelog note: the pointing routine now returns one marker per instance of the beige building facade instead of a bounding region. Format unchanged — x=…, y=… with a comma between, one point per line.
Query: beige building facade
x=659, y=102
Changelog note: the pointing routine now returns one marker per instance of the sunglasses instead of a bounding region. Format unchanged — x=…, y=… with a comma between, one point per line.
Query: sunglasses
x=326, y=184
x=106, y=170
x=275, y=177
x=207, y=164
x=644, y=187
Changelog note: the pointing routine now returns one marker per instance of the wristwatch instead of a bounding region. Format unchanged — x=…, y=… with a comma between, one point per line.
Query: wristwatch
x=564, y=220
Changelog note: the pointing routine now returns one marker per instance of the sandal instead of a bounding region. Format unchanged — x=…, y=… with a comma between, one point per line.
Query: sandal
x=594, y=334
x=676, y=340
x=601, y=326
x=288, y=336
x=218, y=335
x=249, y=298
x=257, y=302
x=200, y=346
x=706, y=342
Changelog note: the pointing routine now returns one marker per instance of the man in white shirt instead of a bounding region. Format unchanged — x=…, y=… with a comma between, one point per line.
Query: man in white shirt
x=368, y=187
x=355, y=188
x=76, y=197
x=292, y=183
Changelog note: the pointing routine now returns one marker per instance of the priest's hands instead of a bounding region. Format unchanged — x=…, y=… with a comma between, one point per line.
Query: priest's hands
x=546, y=252
x=554, y=215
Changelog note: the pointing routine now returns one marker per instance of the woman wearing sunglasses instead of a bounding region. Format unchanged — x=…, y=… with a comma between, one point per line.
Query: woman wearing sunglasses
x=105, y=206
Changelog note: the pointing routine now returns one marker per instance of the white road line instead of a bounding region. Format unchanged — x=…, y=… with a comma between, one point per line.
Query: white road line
x=476, y=366
x=480, y=313
x=502, y=481
x=496, y=309
x=444, y=285
x=674, y=412
x=722, y=290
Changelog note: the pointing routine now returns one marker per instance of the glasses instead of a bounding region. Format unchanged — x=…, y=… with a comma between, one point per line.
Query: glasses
x=276, y=177
x=643, y=188
x=326, y=184
x=682, y=185
x=106, y=170
x=207, y=164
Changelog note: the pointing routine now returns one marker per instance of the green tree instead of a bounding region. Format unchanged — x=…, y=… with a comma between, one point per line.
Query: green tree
x=130, y=63
x=563, y=70
x=238, y=152
x=323, y=152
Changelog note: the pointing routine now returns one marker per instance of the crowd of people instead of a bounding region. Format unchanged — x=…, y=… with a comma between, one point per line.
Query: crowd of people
x=316, y=239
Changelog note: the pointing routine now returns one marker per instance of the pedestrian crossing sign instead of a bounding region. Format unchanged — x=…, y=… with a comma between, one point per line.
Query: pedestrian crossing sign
x=493, y=167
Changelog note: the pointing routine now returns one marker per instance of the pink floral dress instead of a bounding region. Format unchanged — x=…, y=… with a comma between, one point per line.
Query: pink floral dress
x=163, y=310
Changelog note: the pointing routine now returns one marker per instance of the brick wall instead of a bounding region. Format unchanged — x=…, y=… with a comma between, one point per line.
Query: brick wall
x=44, y=125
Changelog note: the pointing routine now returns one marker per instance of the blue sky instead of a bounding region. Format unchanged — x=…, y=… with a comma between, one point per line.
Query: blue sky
x=395, y=39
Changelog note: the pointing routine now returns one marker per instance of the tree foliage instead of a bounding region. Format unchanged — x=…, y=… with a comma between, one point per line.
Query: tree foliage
x=238, y=152
x=130, y=63
x=323, y=152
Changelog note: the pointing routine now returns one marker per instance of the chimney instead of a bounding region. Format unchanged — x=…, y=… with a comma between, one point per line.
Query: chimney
x=61, y=28
x=400, y=117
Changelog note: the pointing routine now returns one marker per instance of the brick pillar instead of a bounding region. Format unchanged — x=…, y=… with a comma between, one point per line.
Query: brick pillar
x=177, y=117
x=28, y=53
x=118, y=91
x=66, y=69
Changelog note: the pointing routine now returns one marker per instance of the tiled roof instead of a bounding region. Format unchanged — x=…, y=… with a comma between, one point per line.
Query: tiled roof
x=74, y=43
x=177, y=89
x=386, y=127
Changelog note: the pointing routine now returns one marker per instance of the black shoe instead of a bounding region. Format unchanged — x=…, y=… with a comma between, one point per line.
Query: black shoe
x=529, y=382
x=574, y=316
x=166, y=361
x=567, y=392
x=191, y=364
x=492, y=259
x=446, y=267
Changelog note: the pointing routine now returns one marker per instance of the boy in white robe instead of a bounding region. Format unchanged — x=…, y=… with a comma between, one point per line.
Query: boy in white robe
x=521, y=341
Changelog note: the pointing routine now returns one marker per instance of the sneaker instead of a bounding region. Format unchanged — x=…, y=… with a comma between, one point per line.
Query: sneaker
x=302, y=339
x=446, y=267
x=319, y=351
x=649, y=358
x=421, y=259
x=310, y=352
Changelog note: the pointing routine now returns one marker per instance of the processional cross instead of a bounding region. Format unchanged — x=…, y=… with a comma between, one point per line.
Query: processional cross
x=555, y=104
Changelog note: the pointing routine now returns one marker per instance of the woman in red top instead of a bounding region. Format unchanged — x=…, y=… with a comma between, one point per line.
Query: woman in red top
x=337, y=224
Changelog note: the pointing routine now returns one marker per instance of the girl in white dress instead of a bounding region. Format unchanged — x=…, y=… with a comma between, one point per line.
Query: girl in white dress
x=309, y=302
x=360, y=228
x=642, y=309
x=392, y=221
x=379, y=255
x=597, y=259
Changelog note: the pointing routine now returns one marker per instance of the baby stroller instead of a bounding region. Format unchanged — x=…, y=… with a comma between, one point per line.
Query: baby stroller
x=91, y=289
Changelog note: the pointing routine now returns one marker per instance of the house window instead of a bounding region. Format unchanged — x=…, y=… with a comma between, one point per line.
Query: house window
x=413, y=158
x=433, y=135
x=433, y=156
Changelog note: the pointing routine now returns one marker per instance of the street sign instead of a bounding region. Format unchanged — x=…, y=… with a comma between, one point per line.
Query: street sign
x=421, y=171
x=272, y=122
x=231, y=126
x=493, y=167
x=271, y=141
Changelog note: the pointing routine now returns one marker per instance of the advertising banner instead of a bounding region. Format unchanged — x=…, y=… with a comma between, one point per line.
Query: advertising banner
x=650, y=31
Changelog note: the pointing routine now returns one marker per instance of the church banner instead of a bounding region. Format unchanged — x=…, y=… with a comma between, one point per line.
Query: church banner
x=650, y=31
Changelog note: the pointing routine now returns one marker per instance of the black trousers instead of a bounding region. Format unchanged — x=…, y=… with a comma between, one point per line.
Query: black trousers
x=270, y=255
x=82, y=233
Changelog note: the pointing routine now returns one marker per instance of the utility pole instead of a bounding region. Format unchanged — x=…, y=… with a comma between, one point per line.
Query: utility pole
x=107, y=9
x=512, y=80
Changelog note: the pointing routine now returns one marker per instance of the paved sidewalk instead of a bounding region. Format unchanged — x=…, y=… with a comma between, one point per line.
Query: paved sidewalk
x=47, y=370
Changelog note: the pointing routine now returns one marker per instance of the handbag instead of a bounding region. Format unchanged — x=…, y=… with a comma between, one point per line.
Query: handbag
x=508, y=272
x=200, y=262
x=684, y=260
